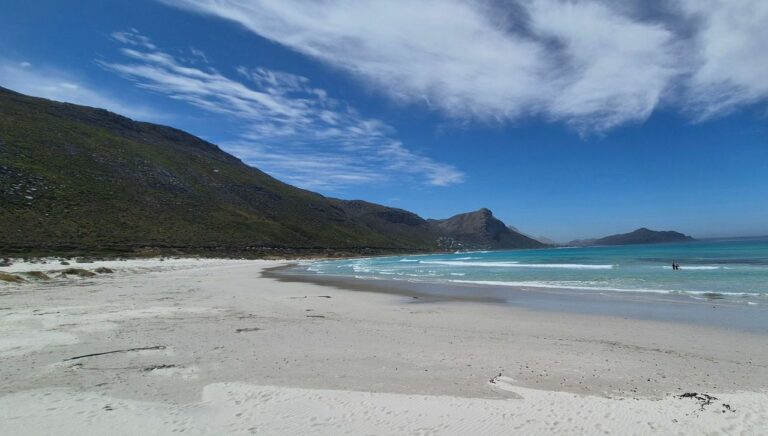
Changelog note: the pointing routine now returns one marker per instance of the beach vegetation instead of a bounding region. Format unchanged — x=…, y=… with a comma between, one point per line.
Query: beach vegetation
x=11, y=278
x=77, y=272
x=37, y=275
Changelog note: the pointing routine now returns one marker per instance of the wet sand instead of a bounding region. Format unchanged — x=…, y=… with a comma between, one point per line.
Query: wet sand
x=683, y=309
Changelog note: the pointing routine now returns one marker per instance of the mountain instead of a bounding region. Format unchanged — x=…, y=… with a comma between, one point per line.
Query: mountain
x=639, y=236
x=77, y=177
x=74, y=178
x=582, y=242
x=480, y=229
x=543, y=239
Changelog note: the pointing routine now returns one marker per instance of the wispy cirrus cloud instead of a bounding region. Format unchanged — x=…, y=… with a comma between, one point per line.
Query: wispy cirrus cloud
x=59, y=85
x=592, y=64
x=289, y=128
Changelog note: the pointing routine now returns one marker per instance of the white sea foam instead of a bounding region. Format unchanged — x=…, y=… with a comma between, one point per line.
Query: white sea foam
x=558, y=285
x=569, y=285
x=516, y=264
x=695, y=268
x=465, y=263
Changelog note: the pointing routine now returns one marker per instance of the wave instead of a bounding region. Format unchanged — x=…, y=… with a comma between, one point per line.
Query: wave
x=559, y=285
x=761, y=261
x=409, y=260
x=703, y=268
x=556, y=285
x=517, y=264
x=464, y=263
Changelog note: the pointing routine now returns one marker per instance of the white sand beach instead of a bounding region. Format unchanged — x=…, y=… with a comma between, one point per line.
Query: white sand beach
x=212, y=347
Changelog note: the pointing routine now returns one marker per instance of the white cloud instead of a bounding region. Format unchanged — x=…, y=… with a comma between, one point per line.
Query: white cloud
x=58, y=85
x=135, y=38
x=199, y=54
x=290, y=129
x=444, y=52
x=616, y=68
x=593, y=64
x=731, y=53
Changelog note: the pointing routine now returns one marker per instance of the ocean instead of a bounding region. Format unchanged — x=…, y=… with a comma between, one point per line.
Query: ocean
x=735, y=269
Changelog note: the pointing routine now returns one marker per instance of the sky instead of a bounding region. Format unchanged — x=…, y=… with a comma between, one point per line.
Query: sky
x=568, y=119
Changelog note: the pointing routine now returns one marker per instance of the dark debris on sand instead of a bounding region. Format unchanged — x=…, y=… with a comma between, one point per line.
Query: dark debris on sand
x=165, y=366
x=706, y=400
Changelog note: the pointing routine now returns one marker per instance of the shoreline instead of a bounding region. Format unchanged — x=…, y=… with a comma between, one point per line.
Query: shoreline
x=718, y=313
x=214, y=346
x=132, y=252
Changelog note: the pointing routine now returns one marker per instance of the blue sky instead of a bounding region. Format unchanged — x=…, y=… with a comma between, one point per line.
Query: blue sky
x=568, y=119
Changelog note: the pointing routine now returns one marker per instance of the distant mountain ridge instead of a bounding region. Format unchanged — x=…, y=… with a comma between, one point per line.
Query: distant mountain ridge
x=79, y=178
x=639, y=236
x=480, y=229
x=541, y=238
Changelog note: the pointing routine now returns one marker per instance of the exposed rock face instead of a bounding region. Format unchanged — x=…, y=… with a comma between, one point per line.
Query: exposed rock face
x=639, y=236
x=480, y=229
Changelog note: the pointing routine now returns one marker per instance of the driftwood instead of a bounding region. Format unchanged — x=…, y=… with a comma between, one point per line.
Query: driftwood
x=317, y=296
x=152, y=368
x=156, y=347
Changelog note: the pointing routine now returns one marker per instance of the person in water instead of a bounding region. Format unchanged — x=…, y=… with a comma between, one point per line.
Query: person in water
x=675, y=266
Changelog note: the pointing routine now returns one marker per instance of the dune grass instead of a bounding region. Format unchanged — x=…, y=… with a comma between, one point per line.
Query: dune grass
x=77, y=272
x=11, y=278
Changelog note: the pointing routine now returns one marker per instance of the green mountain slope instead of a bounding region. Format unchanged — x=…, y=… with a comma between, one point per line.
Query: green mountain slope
x=77, y=177
x=74, y=178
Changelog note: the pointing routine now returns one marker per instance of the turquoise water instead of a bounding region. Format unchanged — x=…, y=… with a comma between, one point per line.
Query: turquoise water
x=729, y=269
